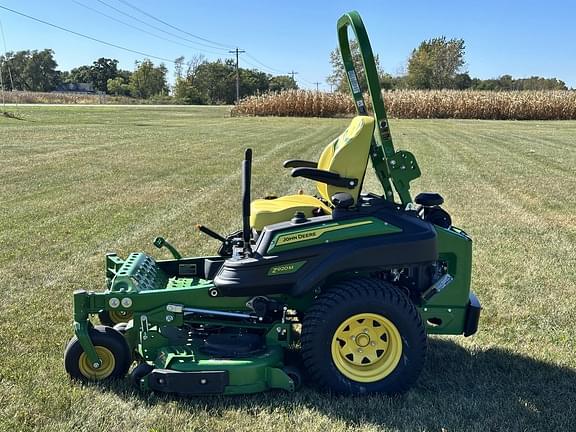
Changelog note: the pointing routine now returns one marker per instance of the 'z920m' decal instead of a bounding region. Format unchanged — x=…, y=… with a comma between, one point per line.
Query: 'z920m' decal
x=286, y=268
x=330, y=232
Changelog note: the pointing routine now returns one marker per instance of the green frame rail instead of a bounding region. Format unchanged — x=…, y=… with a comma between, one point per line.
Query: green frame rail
x=393, y=168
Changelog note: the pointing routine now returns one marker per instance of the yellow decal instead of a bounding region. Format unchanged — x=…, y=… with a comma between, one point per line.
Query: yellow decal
x=311, y=234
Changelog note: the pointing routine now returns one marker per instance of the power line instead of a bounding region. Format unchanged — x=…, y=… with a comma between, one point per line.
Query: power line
x=317, y=84
x=134, y=27
x=259, y=66
x=126, y=3
x=308, y=82
x=264, y=65
x=226, y=46
x=120, y=11
x=86, y=36
x=254, y=65
x=292, y=73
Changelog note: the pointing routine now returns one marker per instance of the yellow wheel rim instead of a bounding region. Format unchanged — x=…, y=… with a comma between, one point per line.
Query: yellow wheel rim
x=119, y=316
x=366, y=347
x=104, y=371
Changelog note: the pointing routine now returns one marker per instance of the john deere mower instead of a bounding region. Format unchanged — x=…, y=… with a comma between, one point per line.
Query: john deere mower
x=347, y=284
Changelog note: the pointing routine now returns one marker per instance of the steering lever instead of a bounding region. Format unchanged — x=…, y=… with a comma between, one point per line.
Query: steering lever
x=160, y=242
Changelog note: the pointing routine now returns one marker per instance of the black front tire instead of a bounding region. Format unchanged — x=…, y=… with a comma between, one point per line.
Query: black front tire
x=139, y=372
x=344, y=301
x=295, y=375
x=112, y=349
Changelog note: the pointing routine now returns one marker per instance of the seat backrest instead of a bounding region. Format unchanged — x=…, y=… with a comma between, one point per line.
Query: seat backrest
x=347, y=155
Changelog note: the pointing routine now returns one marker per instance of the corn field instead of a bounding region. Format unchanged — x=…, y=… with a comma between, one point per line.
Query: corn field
x=424, y=104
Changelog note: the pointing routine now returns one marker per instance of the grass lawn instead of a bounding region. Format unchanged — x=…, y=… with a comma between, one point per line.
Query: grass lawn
x=78, y=182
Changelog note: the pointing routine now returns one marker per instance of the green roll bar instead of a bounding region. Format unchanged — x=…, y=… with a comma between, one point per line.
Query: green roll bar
x=392, y=167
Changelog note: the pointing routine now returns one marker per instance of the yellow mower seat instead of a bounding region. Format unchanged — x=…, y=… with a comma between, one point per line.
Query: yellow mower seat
x=270, y=211
x=347, y=156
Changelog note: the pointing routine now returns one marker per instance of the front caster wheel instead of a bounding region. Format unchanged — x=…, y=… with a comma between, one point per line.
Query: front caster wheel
x=295, y=375
x=140, y=372
x=112, y=349
x=362, y=336
x=111, y=318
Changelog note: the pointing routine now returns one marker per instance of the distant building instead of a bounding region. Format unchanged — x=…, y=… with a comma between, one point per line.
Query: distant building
x=83, y=88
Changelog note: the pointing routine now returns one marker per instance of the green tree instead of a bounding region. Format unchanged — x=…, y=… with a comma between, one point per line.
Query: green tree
x=179, y=67
x=282, y=82
x=81, y=74
x=16, y=64
x=489, y=84
x=148, y=80
x=186, y=92
x=125, y=74
x=31, y=70
x=462, y=81
x=507, y=83
x=215, y=83
x=252, y=81
x=117, y=86
x=539, y=83
x=102, y=70
x=435, y=63
x=389, y=82
x=64, y=77
x=186, y=89
x=98, y=74
x=337, y=77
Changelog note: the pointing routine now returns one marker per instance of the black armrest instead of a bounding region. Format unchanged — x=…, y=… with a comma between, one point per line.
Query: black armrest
x=324, y=176
x=297, y=163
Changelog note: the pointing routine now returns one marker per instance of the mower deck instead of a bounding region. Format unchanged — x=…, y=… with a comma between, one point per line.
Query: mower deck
x=186, y=369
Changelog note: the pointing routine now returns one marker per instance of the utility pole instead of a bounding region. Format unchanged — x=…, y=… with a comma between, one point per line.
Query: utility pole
x=237, y=51
x=317, y=84
x=293, y=73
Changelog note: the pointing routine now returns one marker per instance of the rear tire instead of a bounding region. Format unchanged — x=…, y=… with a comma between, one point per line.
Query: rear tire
x=112, y=350
x=363, y=336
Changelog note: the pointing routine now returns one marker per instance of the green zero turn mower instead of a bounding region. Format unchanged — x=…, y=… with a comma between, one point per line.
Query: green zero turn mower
x=358, y=280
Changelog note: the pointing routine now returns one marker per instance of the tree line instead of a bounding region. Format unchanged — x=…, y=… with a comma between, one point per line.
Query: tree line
x=197, y=81
x=436, y=64
x=202, y=82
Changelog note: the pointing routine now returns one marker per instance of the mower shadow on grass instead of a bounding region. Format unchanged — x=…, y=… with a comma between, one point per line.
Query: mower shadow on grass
x=458, y=390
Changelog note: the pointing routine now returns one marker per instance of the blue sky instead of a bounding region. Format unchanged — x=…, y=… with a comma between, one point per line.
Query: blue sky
x=522, y=38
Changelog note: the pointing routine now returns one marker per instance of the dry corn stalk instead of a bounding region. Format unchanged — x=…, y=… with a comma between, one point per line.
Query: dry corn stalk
x=513, y=105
